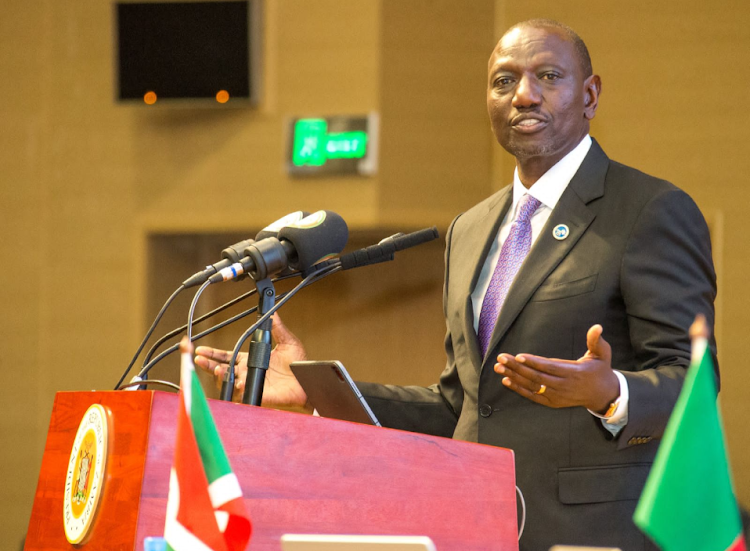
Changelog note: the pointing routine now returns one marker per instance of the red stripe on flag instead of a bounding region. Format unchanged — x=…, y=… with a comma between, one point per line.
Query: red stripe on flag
x=238, y=530
x=738, y=545
x=195, y=513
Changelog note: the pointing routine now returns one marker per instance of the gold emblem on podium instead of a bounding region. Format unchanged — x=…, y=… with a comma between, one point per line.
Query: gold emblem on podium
x=85, y=478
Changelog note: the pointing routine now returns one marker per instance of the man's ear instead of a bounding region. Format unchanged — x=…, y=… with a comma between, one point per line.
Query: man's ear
x=592, y=88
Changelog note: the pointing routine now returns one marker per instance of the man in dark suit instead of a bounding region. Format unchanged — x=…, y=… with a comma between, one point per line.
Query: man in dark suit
x=602, y=250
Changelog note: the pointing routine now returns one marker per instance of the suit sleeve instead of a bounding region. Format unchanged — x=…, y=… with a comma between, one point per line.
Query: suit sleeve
x=432, y=410
x=667, y=277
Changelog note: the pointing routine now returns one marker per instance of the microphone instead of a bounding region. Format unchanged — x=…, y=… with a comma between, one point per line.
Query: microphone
x=234, y=253
x=299, y=246
x=384, y=251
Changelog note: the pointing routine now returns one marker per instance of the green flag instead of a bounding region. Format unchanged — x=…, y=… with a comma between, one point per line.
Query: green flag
x=688, y=503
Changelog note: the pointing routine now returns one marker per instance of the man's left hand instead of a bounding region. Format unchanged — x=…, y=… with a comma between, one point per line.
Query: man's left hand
x=589, y=381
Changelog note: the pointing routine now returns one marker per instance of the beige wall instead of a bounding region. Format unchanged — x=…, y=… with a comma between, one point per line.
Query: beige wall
x=84, y=181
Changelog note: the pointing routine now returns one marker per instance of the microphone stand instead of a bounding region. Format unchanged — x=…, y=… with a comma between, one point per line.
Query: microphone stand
x=259, y=352
x=323, y=270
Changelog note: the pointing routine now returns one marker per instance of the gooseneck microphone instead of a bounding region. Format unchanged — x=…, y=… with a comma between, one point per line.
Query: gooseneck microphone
x=385, y=249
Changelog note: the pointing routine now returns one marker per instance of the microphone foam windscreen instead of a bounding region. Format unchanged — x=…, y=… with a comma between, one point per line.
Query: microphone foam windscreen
x=272, y=229
x=315, y=238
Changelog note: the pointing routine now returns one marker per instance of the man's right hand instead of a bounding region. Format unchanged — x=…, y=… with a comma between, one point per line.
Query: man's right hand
x=281, y=388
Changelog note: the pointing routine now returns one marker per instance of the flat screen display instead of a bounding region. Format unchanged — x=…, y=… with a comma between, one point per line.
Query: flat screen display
x=184, y=50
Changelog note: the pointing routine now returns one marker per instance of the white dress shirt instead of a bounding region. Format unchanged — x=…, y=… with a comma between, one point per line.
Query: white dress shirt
x=547, y=190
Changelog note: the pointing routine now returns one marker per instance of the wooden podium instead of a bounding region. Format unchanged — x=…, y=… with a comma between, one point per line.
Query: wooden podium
x=299, y=474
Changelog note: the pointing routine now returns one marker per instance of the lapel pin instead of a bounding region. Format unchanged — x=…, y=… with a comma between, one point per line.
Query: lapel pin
x=560, y=232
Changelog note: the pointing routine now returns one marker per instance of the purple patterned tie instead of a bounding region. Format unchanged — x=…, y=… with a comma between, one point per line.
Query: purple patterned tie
x=514, y=251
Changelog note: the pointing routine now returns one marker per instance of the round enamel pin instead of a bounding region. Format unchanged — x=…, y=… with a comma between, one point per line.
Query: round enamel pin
x=560, y=232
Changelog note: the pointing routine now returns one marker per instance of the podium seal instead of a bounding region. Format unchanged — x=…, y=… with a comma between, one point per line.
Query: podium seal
x=85, y=478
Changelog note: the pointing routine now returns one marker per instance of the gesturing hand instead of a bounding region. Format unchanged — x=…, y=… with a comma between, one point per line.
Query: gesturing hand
x=281, y=388
x=589, y=381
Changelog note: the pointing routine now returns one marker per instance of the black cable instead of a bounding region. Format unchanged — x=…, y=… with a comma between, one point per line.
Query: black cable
x=146, y=368
x=150, y=382
x=148, y=333
x=193, y=304
x=309, y=280
x=283, y=298
x=204, y=317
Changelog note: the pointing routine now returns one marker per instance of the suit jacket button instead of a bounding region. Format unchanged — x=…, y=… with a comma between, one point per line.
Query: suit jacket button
x=485, y=410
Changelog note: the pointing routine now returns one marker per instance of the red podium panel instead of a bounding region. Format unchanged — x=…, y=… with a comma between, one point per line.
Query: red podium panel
x=299, y=474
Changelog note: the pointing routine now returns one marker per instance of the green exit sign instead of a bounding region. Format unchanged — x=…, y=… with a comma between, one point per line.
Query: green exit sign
x=314, y=145
x=334, y=145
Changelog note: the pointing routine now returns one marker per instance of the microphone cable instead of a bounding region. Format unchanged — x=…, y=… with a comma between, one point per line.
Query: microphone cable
x=147, y=367
x=282, y=299
x=149, y=332
x=210, y=314
x=157, y=382
x=192, y=308
x=204, y=317
x=325, y=271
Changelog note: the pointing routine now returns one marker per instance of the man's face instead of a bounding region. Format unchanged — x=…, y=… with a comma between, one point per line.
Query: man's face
x=538, y=100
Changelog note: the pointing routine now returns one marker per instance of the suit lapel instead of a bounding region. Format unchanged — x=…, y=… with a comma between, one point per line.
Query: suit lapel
x=485, y=228
x=547, y=252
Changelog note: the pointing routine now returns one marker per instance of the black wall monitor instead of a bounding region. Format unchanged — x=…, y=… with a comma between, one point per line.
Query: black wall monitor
x=187, y=51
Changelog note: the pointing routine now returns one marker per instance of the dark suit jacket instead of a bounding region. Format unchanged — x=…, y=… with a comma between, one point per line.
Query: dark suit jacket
x=638, y=261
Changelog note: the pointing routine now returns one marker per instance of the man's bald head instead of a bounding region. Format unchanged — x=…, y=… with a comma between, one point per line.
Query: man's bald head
x=582, y=52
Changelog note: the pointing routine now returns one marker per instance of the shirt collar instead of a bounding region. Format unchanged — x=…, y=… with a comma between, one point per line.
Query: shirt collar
x=553, y=183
